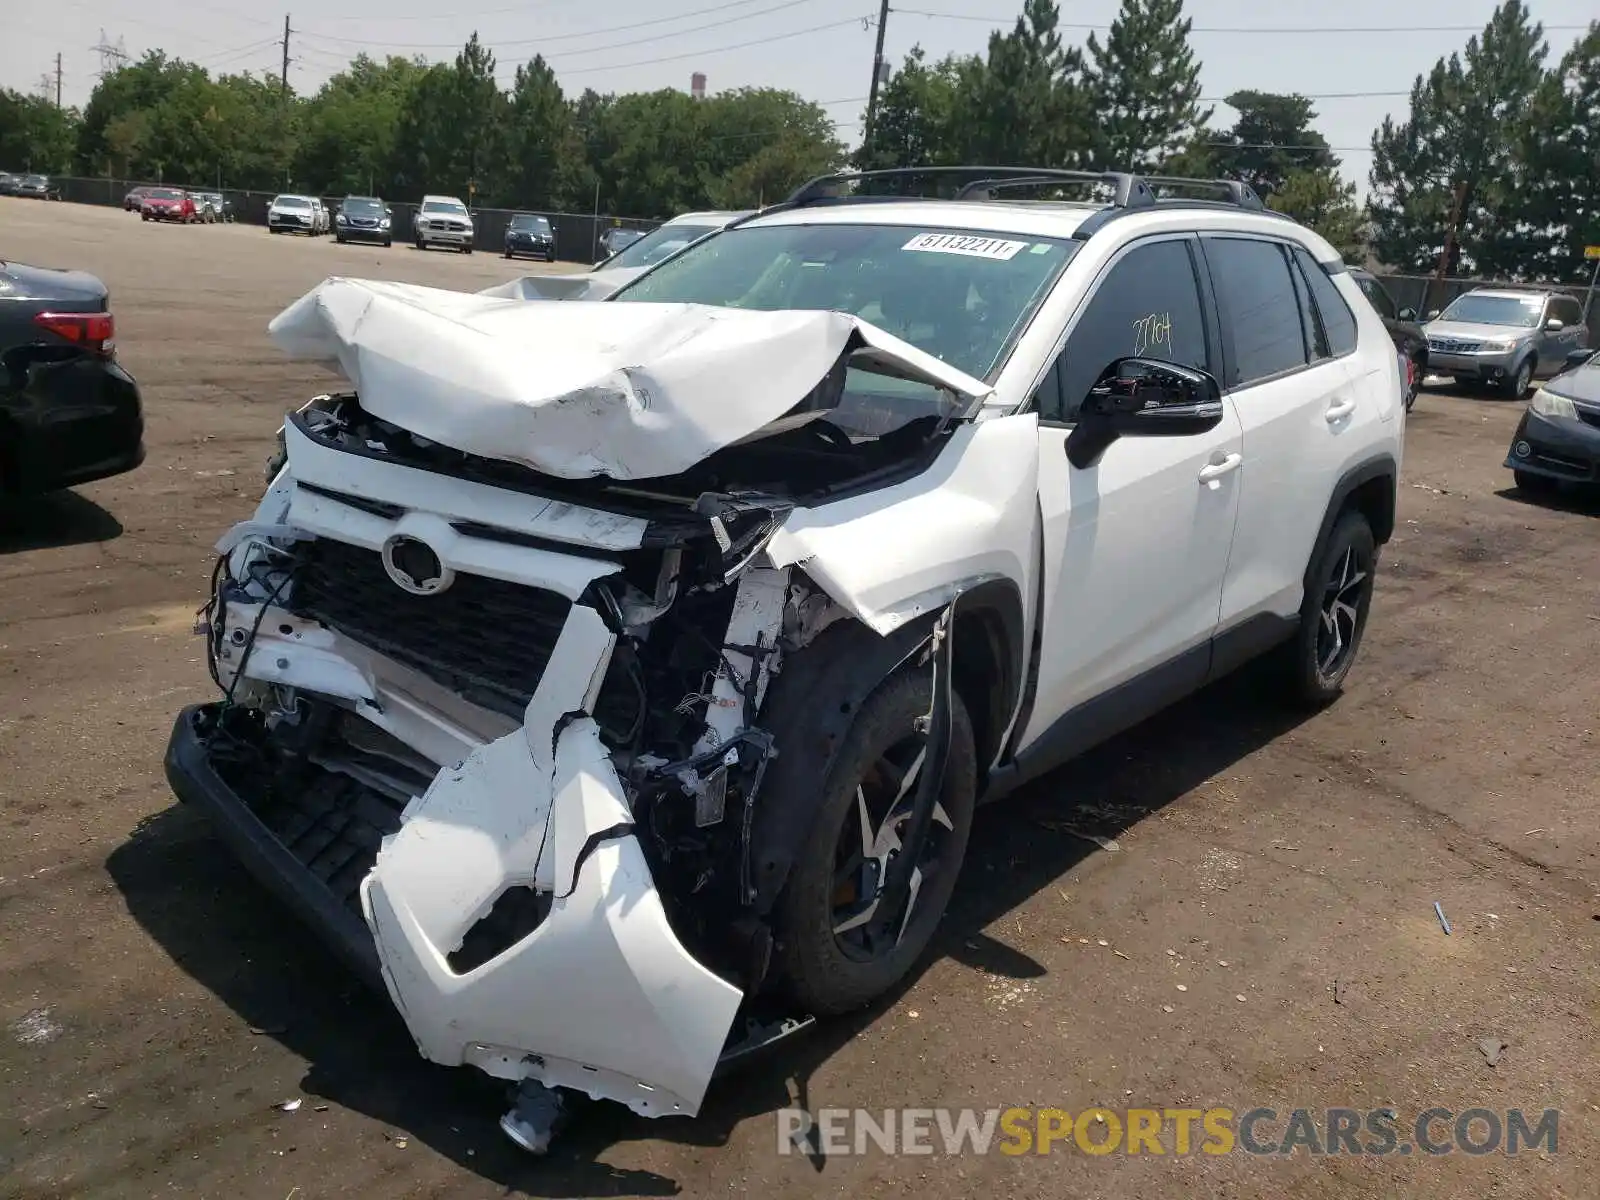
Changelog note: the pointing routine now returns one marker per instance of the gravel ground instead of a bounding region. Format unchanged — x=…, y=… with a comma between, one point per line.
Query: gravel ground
x=156, y=1005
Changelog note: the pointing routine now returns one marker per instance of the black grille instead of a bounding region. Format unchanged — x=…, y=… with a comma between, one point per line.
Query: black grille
x=333, y=826
x=1590, y=416
x=487, y=640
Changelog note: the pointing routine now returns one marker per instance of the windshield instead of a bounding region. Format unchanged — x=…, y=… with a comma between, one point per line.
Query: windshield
x=445, y=206
x=363, y=208
x=960, y=296
x=1473, y=309
x=34, y=179
x=531, y=224
x=291, y=202
x=164, y=194
x=659, y=244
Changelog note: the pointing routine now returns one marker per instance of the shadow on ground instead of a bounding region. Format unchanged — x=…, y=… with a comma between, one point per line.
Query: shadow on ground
x=1581, y=501
x=232, y=938
x=56, y=519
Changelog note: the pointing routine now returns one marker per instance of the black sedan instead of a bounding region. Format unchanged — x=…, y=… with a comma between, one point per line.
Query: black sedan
x=1403, y=329
x=68, y=412
x=363, y=219
x=530, y=235
x=1558, y=439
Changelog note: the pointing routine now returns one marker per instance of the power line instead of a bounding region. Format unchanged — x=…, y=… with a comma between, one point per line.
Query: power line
x=567, y=37
x=650, y=62
x=1265, y=29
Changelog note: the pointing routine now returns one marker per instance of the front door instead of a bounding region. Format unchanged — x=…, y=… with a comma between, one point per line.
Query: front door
x=1135, y=546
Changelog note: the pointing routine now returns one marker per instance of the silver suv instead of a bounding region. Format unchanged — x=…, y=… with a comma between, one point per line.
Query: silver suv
x=1505, y=337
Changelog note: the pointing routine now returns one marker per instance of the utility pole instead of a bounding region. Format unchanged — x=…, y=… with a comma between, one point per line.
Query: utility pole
x=58, y=79
x=877, y=74
x=283, y=79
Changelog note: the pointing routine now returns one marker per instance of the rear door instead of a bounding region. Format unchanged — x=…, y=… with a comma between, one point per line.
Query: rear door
x=1555, y=347
x=1292, y=382
x=1135, y=546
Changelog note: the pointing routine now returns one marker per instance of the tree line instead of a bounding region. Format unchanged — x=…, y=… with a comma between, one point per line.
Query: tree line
x=1495, y=167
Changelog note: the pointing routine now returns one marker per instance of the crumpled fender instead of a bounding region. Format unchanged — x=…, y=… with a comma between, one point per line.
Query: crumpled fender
x=903, y=552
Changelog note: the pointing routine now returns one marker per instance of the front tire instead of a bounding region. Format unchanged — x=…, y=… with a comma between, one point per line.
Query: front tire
x=824, y=962
x=1333, y=614
x=1519, y=383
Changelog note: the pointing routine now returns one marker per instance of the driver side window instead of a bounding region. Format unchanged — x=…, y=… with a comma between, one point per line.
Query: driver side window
x=1147, y=305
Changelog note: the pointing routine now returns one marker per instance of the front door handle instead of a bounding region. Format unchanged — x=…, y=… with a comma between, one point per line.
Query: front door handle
x=1211, y=472
x=1340, y=409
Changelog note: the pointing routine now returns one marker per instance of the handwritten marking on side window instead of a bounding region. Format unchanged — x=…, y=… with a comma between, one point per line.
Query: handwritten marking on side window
x=1152, y=332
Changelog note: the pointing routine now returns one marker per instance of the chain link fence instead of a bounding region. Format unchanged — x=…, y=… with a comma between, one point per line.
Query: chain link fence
x=577, y=234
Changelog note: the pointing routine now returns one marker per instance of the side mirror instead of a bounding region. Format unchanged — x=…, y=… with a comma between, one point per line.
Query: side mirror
x=1408, y=314
x=1576, y=358
x=1143, y=397
x=1554, y=325
x=1433, y=314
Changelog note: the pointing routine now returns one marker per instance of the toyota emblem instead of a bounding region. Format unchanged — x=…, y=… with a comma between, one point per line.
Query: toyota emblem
x=415, y=567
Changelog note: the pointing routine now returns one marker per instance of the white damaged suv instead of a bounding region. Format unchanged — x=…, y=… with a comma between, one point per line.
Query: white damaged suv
x=613, y=683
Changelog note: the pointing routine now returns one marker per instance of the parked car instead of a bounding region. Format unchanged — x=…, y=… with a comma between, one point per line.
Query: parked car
x=442, y=221
x=133, y=201
x=650, y=681
x=215, y=207
x=660, y=244
x=169, y=204
x=292, y=214
x=530, y=235
x=38, y=187
x=363, y=219
x=69, y=413
x=614, y=239
x=1505, y=337
x=1558, y=439
x=1407, y=335
x=8, y=183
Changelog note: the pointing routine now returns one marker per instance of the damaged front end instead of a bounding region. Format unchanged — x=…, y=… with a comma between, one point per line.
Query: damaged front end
x=498, y=735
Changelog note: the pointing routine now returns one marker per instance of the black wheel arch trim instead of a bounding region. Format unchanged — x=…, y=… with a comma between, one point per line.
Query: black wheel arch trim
x=824, y=685
x=1379, y=468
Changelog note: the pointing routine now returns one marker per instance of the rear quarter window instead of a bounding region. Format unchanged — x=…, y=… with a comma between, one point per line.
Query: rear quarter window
x=1338, y=322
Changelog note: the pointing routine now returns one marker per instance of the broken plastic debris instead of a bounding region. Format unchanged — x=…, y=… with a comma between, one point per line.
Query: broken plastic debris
x=288, y=1105
x=1183, y=987
x=1166, y=1008
x=1439, y=909
x=1492, y=1048
x=1240, y=997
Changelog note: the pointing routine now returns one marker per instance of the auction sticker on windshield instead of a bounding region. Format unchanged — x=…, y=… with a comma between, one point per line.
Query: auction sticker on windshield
x=958, y=243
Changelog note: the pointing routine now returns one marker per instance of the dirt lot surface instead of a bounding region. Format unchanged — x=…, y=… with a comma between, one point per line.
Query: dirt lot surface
x=155, y=1005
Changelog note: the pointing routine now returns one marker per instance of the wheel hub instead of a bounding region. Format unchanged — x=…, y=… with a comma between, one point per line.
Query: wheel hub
x=1339, y=614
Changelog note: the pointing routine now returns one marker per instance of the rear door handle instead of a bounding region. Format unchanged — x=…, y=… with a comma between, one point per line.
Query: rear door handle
x=1340, y=409
x=1211, y=472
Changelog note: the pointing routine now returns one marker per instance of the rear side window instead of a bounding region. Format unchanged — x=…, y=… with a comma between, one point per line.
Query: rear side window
x=1148, y=305
x=1337, y=319
x=1260, y=311
x=1566, y=310
x=1376, y=293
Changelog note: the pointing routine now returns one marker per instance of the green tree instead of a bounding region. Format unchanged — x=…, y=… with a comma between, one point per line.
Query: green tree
x=544, y=167
x=1272, y=139
x=451, y=133
x=34, y=134
x=1559, y=153
x=919, y=111
x=759, y=144
x=1320, y=199
x=648, y=153
x=1144, y=87
x=1457, y=150
x=1026, y=103
x=351, y=123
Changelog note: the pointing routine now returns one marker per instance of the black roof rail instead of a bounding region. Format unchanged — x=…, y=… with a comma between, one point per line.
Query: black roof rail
x=1127, y=190
x=1234, y=191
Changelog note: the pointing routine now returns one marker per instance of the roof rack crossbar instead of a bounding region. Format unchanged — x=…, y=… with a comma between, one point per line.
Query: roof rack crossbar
x=1236, y=191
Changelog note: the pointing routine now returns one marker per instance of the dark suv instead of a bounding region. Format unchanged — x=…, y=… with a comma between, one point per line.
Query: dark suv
x=1403, y=329
x=531, y=235
x=363, y=219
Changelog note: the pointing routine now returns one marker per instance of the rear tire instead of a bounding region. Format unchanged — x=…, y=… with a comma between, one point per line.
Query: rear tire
x=1333, y=614
x=1414, y=384
x=822, y=970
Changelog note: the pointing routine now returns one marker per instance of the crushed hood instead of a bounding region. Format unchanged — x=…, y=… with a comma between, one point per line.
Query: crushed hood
x=591, y=285
x=575, y=390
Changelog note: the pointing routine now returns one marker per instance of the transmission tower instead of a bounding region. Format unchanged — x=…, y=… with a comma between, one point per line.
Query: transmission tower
x=112, y=54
